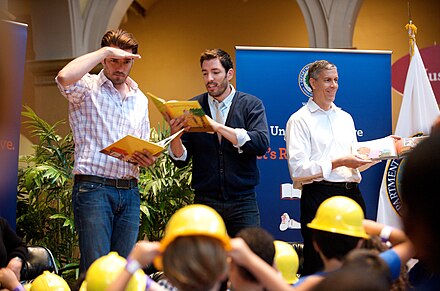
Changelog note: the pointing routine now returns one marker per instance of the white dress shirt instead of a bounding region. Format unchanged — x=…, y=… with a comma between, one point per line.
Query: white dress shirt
x=314, y=138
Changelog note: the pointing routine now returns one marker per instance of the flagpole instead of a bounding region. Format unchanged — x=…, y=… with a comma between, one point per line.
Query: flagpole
x=412, y=30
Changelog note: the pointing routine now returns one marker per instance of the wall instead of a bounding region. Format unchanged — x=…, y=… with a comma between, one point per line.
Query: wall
x=174, y=33
x=381, y=25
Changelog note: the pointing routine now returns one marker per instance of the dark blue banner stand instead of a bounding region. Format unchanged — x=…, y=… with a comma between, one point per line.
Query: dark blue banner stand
x=275, y=76
x=12, y=60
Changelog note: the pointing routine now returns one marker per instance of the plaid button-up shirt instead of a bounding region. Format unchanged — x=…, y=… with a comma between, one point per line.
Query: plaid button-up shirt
x=98, y=117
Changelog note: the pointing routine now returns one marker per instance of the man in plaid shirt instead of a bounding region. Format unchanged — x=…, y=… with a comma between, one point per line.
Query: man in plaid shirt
x=102, y=109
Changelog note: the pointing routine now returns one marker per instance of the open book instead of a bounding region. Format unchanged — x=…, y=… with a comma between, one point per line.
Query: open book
x=124, y=148
x=386, y=148
x=288, y=192
x=191, y=109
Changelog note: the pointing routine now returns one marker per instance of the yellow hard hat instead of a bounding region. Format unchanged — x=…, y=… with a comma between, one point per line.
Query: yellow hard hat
x=287, y=261
x=341, y=215
x=83, y=286
x=49, y=282
x=196, y=219
x=107, y=268
x=27, y=286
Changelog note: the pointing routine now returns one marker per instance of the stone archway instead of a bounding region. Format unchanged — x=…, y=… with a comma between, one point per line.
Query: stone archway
x=67, y=29
x=330, y=23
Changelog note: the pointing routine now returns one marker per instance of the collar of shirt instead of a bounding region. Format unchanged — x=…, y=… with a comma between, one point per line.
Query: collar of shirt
x=227, y=102
x=312, y=106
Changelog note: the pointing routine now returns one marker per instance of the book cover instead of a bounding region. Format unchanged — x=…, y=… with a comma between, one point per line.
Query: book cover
x=377, y=149
x=191, y=109
x=124, y=148
x=386, y=147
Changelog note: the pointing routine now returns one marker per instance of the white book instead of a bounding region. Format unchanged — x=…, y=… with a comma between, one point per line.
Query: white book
x=288, y=192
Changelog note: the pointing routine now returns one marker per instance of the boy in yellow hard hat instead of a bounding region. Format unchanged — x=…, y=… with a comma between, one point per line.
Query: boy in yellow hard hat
x=192, y=254
x=339, y=227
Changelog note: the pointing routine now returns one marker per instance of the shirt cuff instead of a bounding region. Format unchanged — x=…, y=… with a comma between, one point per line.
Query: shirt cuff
x=181, y=158
x=242, y=138
x=326, y=168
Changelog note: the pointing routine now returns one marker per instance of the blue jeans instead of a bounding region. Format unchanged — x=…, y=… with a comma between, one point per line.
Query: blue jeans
x=238, y=213
x=106, y=219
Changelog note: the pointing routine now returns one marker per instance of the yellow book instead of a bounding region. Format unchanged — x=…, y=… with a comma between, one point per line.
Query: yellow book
x=191, y=109
x=124, y=148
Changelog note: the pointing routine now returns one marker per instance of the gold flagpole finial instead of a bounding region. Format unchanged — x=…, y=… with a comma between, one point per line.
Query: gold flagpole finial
x=412, y=30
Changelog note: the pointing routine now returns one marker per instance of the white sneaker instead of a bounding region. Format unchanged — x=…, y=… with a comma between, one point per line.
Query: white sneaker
x=284, y=221
x=293, y=224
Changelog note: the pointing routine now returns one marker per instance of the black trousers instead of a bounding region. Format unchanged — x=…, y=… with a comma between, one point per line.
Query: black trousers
x=312, y=196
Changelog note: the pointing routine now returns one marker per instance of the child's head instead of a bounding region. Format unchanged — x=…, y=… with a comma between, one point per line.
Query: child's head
x=286, y=261
x=195, y=262
x=194, y=249
x=106, y=269
x=368, y=261
x=261, y=243
x=338, y=227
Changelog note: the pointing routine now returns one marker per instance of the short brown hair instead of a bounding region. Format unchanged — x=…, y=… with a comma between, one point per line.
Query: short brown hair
x=317, y=67
x=224, y=57
x=120, y=38
x=195, y=263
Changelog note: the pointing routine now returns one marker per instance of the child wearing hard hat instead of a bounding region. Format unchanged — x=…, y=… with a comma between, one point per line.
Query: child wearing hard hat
x=192, y=254
x=339, y=227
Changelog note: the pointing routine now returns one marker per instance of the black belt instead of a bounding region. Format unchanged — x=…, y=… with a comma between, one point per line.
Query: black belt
x=117, y=183
x=345, y=185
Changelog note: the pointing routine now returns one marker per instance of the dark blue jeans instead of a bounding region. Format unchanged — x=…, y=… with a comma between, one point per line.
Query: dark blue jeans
x=106, y=219
x=238, y=212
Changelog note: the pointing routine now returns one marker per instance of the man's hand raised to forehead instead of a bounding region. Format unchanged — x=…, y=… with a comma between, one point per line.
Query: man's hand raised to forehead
x=117, y=53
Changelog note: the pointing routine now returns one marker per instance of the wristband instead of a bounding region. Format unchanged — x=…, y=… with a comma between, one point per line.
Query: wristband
x=19, y=288
x=149, y=282
x=385, y=233
x=132, y=266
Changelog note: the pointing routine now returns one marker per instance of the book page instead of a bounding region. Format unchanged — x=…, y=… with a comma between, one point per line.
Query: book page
x=288, y=192
x=124, y=148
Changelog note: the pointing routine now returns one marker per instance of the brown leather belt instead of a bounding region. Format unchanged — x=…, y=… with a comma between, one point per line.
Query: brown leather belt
x=345, y=185
x=117, y=183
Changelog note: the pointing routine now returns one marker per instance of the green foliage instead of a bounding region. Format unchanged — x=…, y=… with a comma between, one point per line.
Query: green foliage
x=45, y=215
x=44, y=209
x=164, y=189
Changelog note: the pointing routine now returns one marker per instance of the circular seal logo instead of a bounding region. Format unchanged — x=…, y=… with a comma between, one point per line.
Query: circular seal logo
x=303, y=83
x=393, y=172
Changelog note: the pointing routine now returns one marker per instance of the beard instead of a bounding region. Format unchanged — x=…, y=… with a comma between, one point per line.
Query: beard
x=218, y=89
x=118, y=79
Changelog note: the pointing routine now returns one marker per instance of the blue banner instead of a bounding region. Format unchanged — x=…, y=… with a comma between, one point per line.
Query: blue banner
x=275, y=76
x=12, y=59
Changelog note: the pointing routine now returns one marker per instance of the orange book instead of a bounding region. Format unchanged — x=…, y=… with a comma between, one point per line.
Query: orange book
x=191, y=109
x=124, y=148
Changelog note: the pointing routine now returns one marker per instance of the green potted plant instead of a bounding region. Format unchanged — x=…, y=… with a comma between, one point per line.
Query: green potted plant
x=44, y=211
x=164, y=189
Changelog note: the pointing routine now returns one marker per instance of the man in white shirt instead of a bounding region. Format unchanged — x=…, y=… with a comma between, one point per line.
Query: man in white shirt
x=319, y=137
